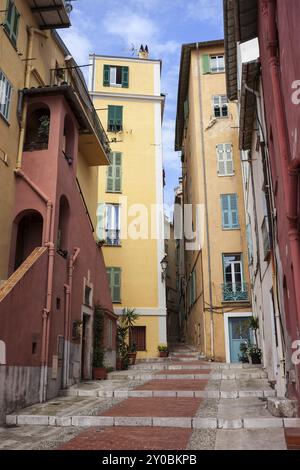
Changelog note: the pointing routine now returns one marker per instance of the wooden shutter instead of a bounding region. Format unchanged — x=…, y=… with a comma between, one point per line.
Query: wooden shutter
x=9, y=16
x=15, y=26
x=225, y=200
x=205, y=64
x=111, y=118
x=234, y=211
x=116, y=285
x=125, y=77
x=221, y=160
x=101, y=222
x=138, y=337
x=229, y=159
x=106, y=75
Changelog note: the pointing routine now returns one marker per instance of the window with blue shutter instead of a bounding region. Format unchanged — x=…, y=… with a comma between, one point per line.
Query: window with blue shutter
x=116, y=76
x=115, y=119
x=114, y=279
x=229, y=204
x=11, y=23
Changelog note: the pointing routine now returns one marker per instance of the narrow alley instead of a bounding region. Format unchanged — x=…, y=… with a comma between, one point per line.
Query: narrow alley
x=176, y=403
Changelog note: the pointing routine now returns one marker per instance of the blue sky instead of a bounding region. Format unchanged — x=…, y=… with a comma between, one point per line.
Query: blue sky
x=112, y=27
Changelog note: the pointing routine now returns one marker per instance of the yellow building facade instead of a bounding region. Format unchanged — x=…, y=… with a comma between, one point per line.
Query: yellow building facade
x=218, y=304
x=126, y=93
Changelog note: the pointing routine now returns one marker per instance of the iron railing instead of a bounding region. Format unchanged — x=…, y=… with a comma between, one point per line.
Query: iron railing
x=112, y=237
x=238, y=292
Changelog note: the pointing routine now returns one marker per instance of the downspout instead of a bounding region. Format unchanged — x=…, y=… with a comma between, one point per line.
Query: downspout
x=290, y=170
x=29, y=58
x=212, y=327
x=67, y=326
x=49, y=235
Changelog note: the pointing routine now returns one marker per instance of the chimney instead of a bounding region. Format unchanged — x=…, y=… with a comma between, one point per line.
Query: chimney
x=143, y=52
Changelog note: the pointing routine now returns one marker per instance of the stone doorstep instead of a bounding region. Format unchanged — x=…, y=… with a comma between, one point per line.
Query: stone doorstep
x=173, y=393
x=176, y=422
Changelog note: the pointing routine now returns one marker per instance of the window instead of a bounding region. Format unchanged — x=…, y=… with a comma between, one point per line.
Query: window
x=234, y=288
x=116, y=76
x=87, y=296
x=225, y=160
x=113, y=224
x=114, y=174
x=5, y=95
x=217, y=63
x=138, y=337
x=220, y=103
x=229, y=204
x=114, y=279
x=11, y=24
x=115, y=119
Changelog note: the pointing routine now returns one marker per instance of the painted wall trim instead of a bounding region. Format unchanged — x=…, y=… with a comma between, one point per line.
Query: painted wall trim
x=131, y=97
x=228, y=315
x=145, y=312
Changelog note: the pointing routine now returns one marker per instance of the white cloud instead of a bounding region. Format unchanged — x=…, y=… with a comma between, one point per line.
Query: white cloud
x=205, y=10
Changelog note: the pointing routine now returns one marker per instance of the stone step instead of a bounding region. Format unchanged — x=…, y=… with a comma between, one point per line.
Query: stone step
x=170, y=366
x=145, y=376
x=181, y=422
x=214, y=394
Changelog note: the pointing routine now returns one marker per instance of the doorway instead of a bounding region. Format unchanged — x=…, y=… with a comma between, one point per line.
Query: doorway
x=239, y=333
x=29, y=236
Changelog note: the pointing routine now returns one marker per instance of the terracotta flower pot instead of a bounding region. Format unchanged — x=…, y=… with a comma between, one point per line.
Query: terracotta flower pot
x=99, y=373
x=163, y=353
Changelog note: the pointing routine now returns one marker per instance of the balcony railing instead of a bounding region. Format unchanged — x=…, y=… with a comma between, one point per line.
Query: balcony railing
x=113, y=237
x=238, y=292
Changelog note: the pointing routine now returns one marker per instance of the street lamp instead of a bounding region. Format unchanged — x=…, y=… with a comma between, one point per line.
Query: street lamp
x=164, y=267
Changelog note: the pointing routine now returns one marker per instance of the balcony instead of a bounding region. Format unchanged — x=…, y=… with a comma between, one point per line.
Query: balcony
x=112, y=237
x=235, y=292
x=50, y=14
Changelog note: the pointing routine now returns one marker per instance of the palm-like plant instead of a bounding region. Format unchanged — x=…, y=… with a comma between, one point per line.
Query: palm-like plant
x=128, y=318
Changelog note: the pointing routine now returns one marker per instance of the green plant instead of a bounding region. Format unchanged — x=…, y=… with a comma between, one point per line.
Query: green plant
x=244, y=356
x=254, y=325
x=254, y=352
x=127, y=320
x=162, y=348
x=43, y=129
x=98, y=351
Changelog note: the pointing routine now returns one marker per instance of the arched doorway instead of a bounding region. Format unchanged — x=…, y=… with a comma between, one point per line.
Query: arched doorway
x=29, y=236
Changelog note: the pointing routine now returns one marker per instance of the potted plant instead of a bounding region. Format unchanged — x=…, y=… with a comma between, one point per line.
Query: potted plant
x=243, y=357
x=254, y=325
x=128, y=318
x=254, y=354
x=99, y=371
x=121, y=346
x=163, y=350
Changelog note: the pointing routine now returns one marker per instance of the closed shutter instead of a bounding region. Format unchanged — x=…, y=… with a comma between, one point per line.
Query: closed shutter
x=106, y=75
x=225, y=210
x=118, y=172
x=234, y=210
x=116, y=285
x=11, y=24
x=206, y=64
x=9, y=16
x=110, y=177
x=101, y=222
x=221, y=160
x=15, y=26
x=125, y=77
x=229, y=159
x=138, y=337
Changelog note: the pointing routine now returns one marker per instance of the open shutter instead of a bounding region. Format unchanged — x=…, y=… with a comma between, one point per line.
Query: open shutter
x=221, y=160
x=106, y=75
x=101, y=222
x=125, y=77
x=225, y=210
x=229, y=159
x=234, y=210
x=15, y=26
x=116, y=287
x=206, y=64
x=9, y=17
x=111, y=118
x=118, y=172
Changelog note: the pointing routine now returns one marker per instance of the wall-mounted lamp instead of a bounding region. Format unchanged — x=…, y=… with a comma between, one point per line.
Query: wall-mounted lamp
x=164, y=267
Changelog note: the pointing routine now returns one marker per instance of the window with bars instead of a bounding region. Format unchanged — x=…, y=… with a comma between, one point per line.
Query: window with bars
x=138, y=337
x=217, y=63
x=11, y=23
x=5, y=95
x=220, y=105
x=115, y=119
x=114, y=279
x=116, y=76
x=114, y=174
x=229, y=204
x=225, y=160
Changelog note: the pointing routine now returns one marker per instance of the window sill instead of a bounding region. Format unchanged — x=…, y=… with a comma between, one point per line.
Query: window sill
x=112, y=246
x=221, y=117
x=217, y=72
x=114, y=192
x=226, y=176
x=117, y=302
x=230, y=229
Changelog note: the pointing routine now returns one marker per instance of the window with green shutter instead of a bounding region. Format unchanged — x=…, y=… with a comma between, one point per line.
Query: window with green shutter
x=114, y=174
x=116, y=76
x=114, y=279
x=205, y=64
x=11, y=24
x=229, y=204
x=115, y=119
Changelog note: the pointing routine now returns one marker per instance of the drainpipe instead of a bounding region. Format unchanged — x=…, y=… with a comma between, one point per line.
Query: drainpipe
x=29, y=58
x=290, y=170
x=68, y=310
x=212, y=326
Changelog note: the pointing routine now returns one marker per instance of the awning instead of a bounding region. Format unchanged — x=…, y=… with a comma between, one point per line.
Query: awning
x=50, y=14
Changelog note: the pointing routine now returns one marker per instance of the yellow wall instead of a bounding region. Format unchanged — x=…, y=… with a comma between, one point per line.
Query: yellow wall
x=221, y=241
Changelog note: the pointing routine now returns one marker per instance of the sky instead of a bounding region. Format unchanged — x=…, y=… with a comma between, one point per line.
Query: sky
x=116, y=27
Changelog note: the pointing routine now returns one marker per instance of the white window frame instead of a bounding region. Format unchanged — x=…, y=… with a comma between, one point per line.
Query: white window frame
x=113, y=219
x=113, y=77
x=220, y=59
x=225, y=160
x=5, y=96
x=222, y=100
